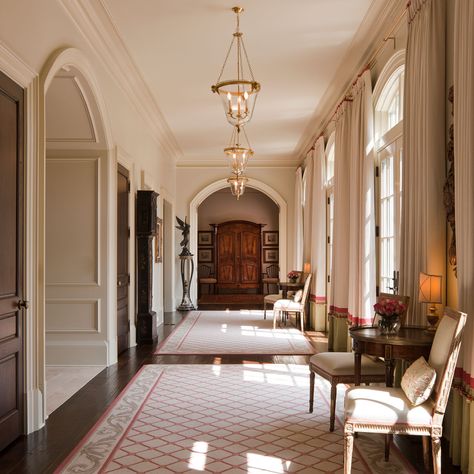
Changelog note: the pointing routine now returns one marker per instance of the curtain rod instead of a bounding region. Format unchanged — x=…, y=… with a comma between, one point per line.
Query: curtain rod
x=370, y=64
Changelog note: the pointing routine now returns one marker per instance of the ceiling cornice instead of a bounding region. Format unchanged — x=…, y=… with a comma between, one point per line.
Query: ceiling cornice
x=95, y=23
x=377, y=21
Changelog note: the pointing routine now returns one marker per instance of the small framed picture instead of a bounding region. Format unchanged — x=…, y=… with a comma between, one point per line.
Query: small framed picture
x=205, y=255
x=159, y=241
x=205, y=237
x=270, y=238
x=270, y=255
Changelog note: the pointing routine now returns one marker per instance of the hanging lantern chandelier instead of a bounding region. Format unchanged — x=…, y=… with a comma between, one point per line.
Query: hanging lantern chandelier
x=238, y=94
x=237, y=184
x=237, y=152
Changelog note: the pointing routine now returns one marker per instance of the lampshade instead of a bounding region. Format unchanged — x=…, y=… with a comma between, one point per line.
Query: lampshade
x=238, y=94
x=430, y=288
x=237, y=185
x=238, y=152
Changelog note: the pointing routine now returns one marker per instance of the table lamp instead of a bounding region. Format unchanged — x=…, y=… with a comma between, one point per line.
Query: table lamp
x=430, y=292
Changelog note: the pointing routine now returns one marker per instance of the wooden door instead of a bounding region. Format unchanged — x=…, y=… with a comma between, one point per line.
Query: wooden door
x=12, y=304
x=238, y=255
x=123, y=283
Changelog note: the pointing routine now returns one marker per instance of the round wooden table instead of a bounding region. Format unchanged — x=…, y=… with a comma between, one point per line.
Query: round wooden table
x=409, y=343
x=286, y=286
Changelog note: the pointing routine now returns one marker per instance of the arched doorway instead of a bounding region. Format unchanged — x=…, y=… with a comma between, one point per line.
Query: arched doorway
x=79, y=252
x=254, y=185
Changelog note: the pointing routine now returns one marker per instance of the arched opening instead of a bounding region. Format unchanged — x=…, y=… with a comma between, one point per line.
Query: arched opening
x=80, y=255
x=256, y=186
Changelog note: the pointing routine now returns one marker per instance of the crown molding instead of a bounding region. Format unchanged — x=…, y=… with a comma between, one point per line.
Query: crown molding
x=370, y=33
x=14, y=67
x=96, y=25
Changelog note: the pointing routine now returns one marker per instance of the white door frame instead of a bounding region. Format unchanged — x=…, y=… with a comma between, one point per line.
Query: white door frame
x=252, y=183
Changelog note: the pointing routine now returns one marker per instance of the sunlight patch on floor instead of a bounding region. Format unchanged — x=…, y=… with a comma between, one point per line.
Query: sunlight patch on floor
x=197, y=460
x=260, y=464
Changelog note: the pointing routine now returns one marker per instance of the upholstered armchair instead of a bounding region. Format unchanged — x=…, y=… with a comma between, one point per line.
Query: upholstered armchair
x=338, y=367
x=295, y=305
x=388, y=410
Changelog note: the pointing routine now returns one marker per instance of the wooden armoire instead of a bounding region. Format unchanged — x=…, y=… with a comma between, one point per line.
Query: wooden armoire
x=238, y=256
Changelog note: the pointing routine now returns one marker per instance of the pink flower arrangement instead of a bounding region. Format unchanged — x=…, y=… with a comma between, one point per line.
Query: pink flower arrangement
x=389, y=308
x=293, y=275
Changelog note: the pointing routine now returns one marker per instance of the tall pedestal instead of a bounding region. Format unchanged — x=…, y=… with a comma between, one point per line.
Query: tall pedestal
x=187, y=270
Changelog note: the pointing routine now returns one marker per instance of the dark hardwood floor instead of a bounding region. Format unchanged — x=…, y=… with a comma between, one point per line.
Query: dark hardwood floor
x=43, y=451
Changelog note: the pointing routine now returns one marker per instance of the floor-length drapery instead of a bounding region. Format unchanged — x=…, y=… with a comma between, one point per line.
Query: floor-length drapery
x=318, y=240
x=307, y=208
x=298, y=222
x=422, y=246
x=462, y=427
x=362, y=274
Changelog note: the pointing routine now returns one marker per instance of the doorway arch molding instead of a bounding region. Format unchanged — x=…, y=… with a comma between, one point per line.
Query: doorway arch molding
x=274, y=195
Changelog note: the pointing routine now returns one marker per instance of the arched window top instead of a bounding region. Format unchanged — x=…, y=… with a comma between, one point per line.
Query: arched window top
x=388, y=95
x=330, y=152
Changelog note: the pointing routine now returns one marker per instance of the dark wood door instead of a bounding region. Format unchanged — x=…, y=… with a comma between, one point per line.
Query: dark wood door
x=12, y=304
x=123, y=280
x=238, y=255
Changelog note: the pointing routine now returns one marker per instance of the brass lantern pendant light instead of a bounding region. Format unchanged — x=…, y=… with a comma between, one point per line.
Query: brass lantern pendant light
x=239, y=92
x=238, y=152
x=237, y=184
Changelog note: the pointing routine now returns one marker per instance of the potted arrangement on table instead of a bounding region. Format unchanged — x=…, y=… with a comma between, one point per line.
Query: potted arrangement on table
x=389, y=311
x=293, y=276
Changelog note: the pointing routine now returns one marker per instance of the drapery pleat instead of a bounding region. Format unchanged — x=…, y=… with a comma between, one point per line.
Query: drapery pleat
x=298, y=222
x=423, y=230
x=318, y=239
x=462, y=426
x=308, y=208
x=353, y=265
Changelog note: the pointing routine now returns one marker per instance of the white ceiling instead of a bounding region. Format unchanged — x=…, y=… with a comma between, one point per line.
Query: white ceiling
x=295, y=48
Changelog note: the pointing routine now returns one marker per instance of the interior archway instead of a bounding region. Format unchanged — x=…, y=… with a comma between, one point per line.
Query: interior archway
x=252, y=183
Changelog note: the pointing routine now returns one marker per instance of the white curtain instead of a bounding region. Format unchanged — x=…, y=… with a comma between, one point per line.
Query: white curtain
x=423, y=231
x=298, y=222
x=362, y=274
x=462, y=434
x=308, y=207
x=318, y=225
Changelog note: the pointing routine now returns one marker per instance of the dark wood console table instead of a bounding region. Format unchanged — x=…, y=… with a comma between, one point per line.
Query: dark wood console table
x=408, y=344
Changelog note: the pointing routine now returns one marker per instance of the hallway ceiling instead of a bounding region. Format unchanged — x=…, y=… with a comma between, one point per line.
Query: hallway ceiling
x=296, y=48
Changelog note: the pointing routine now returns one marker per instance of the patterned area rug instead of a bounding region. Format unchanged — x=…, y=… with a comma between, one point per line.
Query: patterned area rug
x=223, y=419
x=233, y=332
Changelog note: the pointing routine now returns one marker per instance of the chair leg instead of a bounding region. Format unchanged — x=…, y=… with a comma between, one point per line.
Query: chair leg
x=332, y=411
x=302, y=321
x=264, y=309
x=275, y=313
x=348, y=448
x=388, y=442
x=312, y=377
x=426, y=452
x=436, y=450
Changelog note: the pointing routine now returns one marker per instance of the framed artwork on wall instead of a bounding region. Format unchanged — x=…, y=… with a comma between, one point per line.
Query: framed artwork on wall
x=205, y=255
x=205, y=237
x=270, y=255
x=270, y=238
x=159, y=241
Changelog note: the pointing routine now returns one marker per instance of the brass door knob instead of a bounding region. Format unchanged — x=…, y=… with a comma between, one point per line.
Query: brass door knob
x=23, y=304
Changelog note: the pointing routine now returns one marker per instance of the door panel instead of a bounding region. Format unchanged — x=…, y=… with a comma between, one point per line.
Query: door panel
x=11, y=260
x=123, y=326
x=238, y=255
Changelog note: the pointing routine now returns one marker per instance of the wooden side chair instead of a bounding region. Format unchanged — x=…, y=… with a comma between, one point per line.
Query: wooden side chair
x=206, y=277
x=338, y=367
x=270, y=277
x=388, y=410
x=296, y=305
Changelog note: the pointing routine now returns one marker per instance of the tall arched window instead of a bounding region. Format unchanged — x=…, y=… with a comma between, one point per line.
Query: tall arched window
x=330, y=153
x=388, y=95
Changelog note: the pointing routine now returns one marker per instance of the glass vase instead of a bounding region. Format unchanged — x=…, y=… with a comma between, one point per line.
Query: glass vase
x=389, y=324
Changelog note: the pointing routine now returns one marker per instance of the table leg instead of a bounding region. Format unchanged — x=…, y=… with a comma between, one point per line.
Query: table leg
x=357, y=367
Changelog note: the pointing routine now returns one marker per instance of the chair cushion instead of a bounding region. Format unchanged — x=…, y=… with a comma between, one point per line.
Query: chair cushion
x=342, y=363
x=287, y=305
x=418, y=381
x=385, y=406
x=298, y=296
x=271, y=298
x=207, y=280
